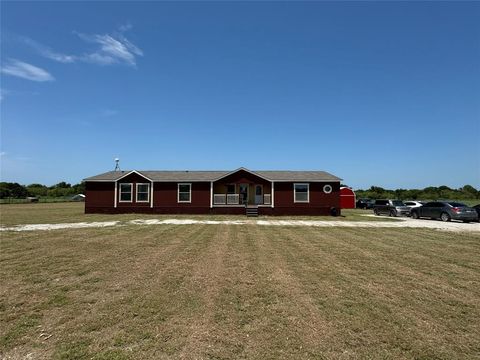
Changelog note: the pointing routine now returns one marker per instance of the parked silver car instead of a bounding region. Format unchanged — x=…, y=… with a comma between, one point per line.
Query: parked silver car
x=445, y=211
x=413, y=203
x=391, y=208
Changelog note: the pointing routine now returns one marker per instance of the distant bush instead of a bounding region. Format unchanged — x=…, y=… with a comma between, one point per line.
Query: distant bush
x=428, y=193
x=17, y=191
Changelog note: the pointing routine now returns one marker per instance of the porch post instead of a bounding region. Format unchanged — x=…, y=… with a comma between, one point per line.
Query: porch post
x=273, y=196
x=115, y=194
x=151, y=196
x=211, y=194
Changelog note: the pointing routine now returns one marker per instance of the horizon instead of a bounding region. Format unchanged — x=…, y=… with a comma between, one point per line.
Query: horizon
x=378, y=94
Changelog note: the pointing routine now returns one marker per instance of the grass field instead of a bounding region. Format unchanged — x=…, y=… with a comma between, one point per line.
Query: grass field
x=40, y=200
x=230, y=291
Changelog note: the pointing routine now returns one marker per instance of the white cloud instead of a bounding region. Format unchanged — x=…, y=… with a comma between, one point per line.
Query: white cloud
x=26, y=71
x=108, y=49
x=112, y=49
x=47, y=52
x=125, y=27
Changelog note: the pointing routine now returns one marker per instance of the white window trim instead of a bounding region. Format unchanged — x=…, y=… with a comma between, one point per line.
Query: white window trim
x=120, y=193
x=211, y=194
x=178, y=193
x=308, y=193
x=331, y=189
x=148, y=193
x=116, y=195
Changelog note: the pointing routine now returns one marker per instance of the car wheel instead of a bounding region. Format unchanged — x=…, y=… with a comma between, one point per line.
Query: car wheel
x=375, y=211
x=393, y=213
x=445, y=217
x=414, y=215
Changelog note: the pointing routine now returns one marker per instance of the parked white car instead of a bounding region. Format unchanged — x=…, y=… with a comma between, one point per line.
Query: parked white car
x=413, y=204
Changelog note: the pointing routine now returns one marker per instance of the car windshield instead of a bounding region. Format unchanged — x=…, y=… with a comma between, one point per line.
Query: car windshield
x=456, y=204
x=397, y=203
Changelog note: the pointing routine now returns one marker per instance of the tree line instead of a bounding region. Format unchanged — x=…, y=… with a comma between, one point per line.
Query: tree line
x=17, y=191
x=429, y=193
x=63, y=189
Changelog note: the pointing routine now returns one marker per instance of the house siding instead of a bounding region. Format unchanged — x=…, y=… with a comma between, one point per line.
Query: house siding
x=243, y=177
x=165, y=198
x=319, y=202
x=133, y=206
x=99, y=195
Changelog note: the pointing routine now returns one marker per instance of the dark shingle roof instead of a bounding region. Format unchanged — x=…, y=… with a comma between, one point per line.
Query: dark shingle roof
x=275, y=175
x=179, y=176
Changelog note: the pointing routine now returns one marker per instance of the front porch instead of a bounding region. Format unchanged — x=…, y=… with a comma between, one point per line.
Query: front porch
x=242, y=188
x=242, y=194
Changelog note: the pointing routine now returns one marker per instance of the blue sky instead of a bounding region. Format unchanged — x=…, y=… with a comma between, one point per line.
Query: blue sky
x=378, y=93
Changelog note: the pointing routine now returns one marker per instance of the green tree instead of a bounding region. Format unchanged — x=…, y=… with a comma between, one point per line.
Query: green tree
x=14, y=190
x=37, y=190
x=470, y=192
x=78, y=188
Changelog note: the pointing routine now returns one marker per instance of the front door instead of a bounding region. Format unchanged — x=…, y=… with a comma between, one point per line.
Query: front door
x=258, y=194
x=243, y=193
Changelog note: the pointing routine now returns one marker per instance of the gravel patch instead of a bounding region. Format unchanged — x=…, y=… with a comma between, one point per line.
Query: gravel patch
x=35, y=227
x=404, y=223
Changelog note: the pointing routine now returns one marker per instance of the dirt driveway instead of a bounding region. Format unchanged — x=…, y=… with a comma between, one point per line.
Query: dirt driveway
x=404, y=222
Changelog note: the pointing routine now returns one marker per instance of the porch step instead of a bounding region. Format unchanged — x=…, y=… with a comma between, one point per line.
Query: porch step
x=252, y=211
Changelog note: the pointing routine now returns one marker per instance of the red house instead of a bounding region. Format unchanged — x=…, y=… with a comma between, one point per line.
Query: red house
x=214, y=192
x=347, y=198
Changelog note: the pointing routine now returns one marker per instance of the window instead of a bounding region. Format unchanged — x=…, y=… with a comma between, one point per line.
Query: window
x=456, y=204
x=327, y=189
x=184, y=193
x=231, y=189
x=126, y=192
x=143, y=192
x=301, y=193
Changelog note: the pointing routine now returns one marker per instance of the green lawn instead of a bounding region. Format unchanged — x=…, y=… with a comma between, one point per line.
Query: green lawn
x=238, y=292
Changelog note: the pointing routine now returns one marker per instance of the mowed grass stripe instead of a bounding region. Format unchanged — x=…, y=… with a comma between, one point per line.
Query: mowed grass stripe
x=377, y=292
x=310, y=328
x=256, y=316
x=158, y=293
x=449, y=260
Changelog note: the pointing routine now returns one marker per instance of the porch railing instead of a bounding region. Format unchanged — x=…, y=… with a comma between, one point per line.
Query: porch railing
x=226, y=199
x=233, y=199
x=267, y=199
x=219, y=199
